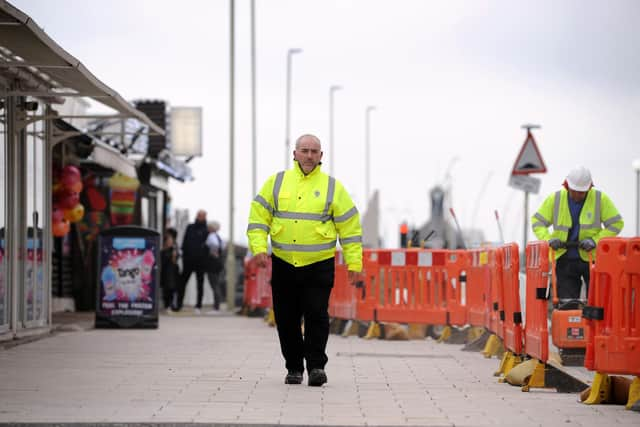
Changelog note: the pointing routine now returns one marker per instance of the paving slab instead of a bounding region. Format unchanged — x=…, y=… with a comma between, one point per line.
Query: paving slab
x=227, y=370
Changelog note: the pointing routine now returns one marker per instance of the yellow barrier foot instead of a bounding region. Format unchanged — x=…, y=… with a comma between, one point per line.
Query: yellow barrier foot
x=600, y=389
x=373, y=331
x=503, y=362
x=271, y=318
x=493, y=347
x=633, y=402
x=535, y=378
x=446, y=334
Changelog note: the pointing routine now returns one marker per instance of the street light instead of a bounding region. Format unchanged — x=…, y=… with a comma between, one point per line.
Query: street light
x=287, y=154
x=332, y=89
x=368, y=111
x=636, y=165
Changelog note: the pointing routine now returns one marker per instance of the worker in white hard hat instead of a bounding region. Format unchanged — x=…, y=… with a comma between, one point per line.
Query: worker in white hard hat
x=579, y=216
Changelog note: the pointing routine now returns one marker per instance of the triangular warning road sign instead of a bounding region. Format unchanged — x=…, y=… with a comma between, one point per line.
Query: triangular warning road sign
x=529, y=160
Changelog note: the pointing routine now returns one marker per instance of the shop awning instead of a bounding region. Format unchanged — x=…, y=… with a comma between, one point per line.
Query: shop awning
x=47, y=71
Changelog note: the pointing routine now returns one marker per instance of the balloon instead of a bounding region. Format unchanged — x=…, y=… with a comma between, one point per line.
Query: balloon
x=56, y=214
x=68, y=199
x=60, y=228
x=74, y=214
x=77, y=187
x=70, y=175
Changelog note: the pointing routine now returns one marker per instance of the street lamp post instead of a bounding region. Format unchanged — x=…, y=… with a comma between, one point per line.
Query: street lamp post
x=367, y=181
x=636, y=166
x=332, y=90
x=231, y=253
x=287, y=154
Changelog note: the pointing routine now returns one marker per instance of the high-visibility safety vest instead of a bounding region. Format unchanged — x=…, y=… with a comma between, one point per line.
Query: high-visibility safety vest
x=305, y=215
x=598, y=218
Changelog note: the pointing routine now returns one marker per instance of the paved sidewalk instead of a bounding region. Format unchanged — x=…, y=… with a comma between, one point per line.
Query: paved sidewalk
x=228, y=370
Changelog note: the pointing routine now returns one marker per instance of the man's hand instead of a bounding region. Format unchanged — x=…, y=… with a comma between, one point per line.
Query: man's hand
x=262, y=259
x=352, y=277
x=555, y=244
x=587, y=244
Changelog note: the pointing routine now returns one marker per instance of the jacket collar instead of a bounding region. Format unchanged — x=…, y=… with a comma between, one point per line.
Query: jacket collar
x=300, y=173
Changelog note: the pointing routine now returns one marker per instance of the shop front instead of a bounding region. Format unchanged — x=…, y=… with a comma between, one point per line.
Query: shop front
x=37, y=76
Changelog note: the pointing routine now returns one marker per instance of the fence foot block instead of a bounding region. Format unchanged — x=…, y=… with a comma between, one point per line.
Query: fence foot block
x=270, y=318
x=373, y=331
x=634, y=395
x=493, y=347
x=536, y=379
x=600, y=389
x=446, y=334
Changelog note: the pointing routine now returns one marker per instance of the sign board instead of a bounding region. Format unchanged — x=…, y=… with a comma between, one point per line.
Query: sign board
x=529, y=160
x=128, y=276
x=186, y=131
x=526, y=183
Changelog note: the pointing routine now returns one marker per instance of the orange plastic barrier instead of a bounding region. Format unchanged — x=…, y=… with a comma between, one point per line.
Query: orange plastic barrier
x=494, y=324
x=536, y=341
x=368, y=295
x=510, y=312
x=614, y=308
x=257, y=288
x=342, y=302
x=479, y=287
x=456, y=265
x=412, y=286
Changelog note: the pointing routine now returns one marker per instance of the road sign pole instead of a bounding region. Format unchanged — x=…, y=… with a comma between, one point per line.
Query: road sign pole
x=526, y=220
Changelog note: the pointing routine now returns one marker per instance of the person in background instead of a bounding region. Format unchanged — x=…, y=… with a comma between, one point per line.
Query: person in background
x=215, y=263
x=169, y=269
x=580, y=216
x=305, y=212
x=194, y=258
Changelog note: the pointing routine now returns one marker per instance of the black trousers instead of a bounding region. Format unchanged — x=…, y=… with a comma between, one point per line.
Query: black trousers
x=214, y=282
x=569, y=273
x=199, y=269
x=302, y=293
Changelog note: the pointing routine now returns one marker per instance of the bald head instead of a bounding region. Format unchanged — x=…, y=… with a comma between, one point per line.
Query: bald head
x=201, y=216
x=308, y=152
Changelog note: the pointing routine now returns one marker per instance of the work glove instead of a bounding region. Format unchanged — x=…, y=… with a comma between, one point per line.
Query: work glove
x=555, y=244
x=587, y=244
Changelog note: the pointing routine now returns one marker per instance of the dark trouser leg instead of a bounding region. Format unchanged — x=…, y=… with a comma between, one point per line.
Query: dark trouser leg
x=167, y=297
x=288, y=313
x=200, y=286
x=569, y=273
x=214, y=282
x=317, y=285
x=182, y=286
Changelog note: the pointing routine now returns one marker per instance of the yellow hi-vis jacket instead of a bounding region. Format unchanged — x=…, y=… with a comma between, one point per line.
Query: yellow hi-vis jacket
x=597, y=212
x=304, y=215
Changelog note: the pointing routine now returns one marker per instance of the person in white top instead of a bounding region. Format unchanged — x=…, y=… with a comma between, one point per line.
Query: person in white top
x=215, y=262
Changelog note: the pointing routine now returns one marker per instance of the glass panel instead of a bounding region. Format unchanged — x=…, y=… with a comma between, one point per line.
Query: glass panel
x=4, y=282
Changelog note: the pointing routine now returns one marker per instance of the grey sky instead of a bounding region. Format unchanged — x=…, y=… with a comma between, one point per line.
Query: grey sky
x=450, y=80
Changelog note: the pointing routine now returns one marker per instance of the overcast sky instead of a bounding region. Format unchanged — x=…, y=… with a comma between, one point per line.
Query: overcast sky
x=452, y=81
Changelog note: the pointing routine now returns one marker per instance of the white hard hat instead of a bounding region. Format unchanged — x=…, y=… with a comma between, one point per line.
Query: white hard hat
x=579, y=179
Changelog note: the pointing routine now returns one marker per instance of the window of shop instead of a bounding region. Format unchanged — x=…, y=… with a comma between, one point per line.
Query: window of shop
x=34, y=298
x=4, y=282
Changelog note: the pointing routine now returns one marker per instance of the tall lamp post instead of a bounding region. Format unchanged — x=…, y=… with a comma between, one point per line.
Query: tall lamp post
x=287, y=154
x=367, y=149
x=332, y=90
x=231, y=253
x=636, y=166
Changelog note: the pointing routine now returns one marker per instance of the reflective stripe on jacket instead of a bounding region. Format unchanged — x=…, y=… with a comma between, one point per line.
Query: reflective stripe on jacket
x=598, y=218
x=305, y=215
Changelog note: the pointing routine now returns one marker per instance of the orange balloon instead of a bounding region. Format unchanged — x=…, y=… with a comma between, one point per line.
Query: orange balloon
x=60, y=228
x=76, y=187
x=74, y=214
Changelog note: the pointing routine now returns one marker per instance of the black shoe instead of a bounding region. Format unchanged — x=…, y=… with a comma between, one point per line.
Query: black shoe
x=293, y=377
x=317, y=377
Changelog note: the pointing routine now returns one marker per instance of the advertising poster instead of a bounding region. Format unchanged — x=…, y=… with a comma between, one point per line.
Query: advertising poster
x=34, y=289
x=127, y=279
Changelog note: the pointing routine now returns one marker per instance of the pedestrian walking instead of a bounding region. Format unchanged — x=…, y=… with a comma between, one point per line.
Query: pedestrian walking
x=194, y=258
x=215, y=263
x=305, y=212
x=580, y=216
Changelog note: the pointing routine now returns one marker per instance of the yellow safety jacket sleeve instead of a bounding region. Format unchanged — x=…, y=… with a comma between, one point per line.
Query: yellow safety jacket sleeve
x=347, y=221
x=611, y=220
x=260, y=218
x=541, y=220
